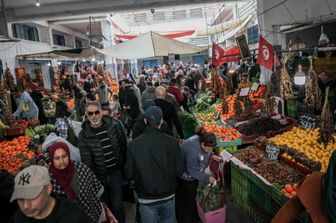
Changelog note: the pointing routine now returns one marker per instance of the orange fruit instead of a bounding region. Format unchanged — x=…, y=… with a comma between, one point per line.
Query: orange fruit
x=289, y=188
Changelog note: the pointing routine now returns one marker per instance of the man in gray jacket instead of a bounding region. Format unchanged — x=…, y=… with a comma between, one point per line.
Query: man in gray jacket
x=104, y=94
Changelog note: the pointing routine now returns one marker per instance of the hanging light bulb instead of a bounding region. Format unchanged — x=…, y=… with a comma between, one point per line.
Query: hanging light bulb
x=49, y=64
x=300, y=77
x=93, y=59
x=37, y=3
x=59, y=63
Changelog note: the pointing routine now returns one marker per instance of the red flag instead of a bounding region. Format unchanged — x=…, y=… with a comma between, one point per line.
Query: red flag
x=266, y=54
x=217, y=54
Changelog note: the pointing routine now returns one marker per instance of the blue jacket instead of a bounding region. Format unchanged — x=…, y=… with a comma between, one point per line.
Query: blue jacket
x=196, y=160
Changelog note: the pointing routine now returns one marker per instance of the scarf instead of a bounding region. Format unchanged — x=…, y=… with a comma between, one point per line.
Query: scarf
x=63, y=177
x=329, y=189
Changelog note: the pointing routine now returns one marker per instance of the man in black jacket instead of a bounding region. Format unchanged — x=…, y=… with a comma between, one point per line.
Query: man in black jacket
x=102, y=147
x=154, y=162
x=168, y=109
x=32, y=190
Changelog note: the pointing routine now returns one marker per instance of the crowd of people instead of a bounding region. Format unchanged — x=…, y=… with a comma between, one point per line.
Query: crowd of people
x=134, y=137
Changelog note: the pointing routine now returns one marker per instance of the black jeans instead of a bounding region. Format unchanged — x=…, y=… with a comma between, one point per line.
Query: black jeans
x=186, y=210
x=113, y=194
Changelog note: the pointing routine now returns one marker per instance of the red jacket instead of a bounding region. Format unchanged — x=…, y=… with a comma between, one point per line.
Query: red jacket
x=174, y=90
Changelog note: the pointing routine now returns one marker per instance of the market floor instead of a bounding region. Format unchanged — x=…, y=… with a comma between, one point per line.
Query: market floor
x=234, y=213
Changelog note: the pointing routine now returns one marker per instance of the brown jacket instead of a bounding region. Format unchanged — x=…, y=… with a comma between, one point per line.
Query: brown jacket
x=309, y=198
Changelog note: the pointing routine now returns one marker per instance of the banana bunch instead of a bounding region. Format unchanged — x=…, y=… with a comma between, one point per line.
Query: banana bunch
x=30, y=133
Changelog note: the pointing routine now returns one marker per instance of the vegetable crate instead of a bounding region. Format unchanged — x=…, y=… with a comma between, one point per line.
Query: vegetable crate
x=239, y=184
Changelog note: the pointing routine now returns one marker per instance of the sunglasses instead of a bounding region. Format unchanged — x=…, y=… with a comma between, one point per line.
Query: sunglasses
x=95, y=112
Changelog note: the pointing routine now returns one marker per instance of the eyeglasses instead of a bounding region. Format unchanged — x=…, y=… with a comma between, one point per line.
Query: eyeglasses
x=95, y=112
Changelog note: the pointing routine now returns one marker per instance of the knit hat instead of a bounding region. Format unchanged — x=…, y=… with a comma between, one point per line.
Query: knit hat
x=29, y=182
x=154, y=113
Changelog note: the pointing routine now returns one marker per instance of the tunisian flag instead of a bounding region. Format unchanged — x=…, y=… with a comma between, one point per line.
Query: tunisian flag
x=217, y=55
x=266, y=54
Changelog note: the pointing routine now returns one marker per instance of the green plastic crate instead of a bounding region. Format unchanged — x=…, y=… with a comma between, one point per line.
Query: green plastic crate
x=256, y=213
x=291, y=108
x=261, y=195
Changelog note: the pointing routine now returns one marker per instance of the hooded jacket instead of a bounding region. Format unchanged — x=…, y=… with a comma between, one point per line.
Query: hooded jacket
x=149, y=93
x=65, y=211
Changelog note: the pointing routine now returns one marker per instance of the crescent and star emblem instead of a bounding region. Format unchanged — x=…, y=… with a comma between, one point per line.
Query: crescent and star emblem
x=266, y=52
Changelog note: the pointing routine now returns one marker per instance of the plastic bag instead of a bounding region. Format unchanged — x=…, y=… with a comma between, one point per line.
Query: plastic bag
x=52, y=138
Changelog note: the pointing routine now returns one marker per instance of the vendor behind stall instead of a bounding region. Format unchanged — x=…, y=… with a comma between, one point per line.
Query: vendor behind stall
x=27, y=109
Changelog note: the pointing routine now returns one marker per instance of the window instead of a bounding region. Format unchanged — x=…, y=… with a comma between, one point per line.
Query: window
x=33, y=34
x=196, y=13
x=79, y=43
x=59, y=40
x=253, y=35
x=179, y=14
x=159, y=16
x=23, y=31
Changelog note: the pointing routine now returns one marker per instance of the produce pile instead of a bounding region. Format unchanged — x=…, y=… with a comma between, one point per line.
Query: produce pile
x=260, y=126
x=22, y=123
x=289, y=190
x=301, y=144
x=206, y=118
x=273, y=172
x=229, y=107
x=41, y=130
x=15, y=154
x=224, y=133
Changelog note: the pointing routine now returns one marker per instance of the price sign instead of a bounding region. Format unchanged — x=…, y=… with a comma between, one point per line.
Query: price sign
x=254, y=86
x=272, y=152
x=244, y=91
x=307, y=121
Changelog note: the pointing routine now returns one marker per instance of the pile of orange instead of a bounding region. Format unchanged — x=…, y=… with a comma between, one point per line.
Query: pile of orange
x=289, y=190
x=14, y=154
x=228, y=134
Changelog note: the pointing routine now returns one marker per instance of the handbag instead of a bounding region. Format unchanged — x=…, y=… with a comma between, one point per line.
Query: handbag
x=106, y=215
x=72, y=138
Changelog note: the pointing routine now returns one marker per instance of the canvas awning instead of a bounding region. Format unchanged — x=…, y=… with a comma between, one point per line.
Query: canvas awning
x=150, y=44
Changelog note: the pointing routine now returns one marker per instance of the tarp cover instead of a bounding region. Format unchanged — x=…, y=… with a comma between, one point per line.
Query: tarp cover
x=150, y=44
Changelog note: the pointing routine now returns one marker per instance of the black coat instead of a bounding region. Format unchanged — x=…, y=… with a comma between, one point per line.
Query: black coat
x=170, y=115
x=140, y=127
x=132, y=101
x=37, y=98
x=91, y=151
x=154, y=161
x=65, y=211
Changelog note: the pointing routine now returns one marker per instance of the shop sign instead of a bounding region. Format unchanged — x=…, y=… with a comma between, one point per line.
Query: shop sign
x=272, y=152
x=254, y=86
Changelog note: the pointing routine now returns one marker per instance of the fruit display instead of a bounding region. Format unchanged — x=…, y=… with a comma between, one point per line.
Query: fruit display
x=286, y=89
x=22, y=123
x=15, y=154
x=272, y=171
x=71, y=103
x=305, y=143
x=260, y=126
x=313, y=95
x=206, y=118
x=229, y=105
x=223, y=132
x=289, y=190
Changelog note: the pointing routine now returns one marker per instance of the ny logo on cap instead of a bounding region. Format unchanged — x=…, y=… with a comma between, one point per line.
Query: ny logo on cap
x=24, y=179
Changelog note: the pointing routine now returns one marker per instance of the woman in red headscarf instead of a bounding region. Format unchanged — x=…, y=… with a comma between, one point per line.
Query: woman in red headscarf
x=74, y=180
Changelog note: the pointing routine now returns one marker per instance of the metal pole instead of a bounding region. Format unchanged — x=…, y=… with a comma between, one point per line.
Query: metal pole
x=90, y=31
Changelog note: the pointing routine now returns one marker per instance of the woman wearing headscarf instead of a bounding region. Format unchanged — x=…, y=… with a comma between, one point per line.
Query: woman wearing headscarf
x=197, y=153
x=316, y=194
x=75, y=181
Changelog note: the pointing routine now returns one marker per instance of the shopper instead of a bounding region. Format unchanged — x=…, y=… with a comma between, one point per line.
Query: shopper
x=104, y=94
x=115, y=105
x=154, y=162
x=316, y=194
x=174, y=90
x=32, y=190
x=37, y=98
x=27, y=109
x=75, y=181
x=89, y=84
x=62, y=121
x=103, y=148
x=197, y=152
x=131, y=102
x=169, y=111
x=149, y=93
x=142, y=83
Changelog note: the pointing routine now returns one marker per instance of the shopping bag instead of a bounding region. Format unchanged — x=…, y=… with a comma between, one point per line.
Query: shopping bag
x=106, y=215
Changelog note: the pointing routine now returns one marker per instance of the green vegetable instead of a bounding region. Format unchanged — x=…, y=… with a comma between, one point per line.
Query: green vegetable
x=188, y=121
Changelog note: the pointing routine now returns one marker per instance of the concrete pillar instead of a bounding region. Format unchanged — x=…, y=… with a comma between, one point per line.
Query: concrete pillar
x=107, y=31
x=3, y=19
x=51, y=39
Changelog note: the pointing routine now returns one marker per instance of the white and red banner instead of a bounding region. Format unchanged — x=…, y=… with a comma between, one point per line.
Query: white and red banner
x=265, y=54
x=172, y=35
x=217, y=54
